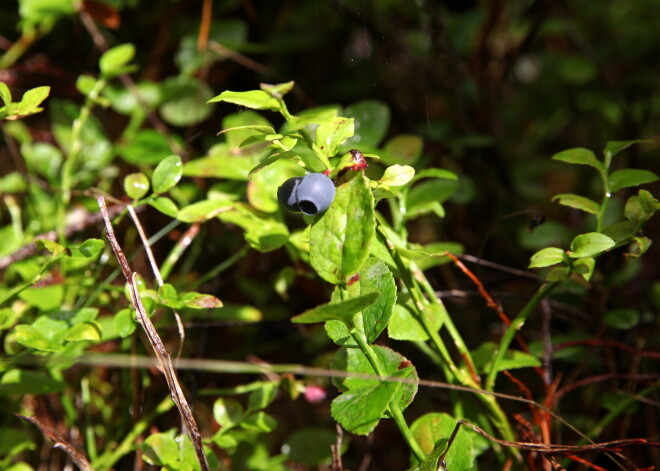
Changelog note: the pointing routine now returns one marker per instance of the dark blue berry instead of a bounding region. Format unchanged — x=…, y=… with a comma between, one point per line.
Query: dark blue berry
x=314, y=193
x=286, y=194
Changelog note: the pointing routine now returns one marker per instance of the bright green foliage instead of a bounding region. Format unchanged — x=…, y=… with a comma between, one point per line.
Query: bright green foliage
x=341, y=237
x=432, y=431
x=343, y=311
x=116, y=61
x=167, y=174
x=28, y=105
x=367, y=269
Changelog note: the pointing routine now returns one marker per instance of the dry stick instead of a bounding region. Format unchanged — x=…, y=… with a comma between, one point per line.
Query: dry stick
x=156, y=271
x=336, y=450
x=77, y=457
x=553, y=449
x=164, y=358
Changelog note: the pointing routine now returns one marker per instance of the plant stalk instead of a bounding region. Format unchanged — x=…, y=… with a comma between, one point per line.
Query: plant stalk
x=513, y=329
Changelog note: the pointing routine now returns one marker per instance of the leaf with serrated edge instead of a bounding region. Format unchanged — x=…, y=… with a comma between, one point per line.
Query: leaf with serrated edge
x=430, y=428
x=360, y=410
x=341, y=238
x=374, y=276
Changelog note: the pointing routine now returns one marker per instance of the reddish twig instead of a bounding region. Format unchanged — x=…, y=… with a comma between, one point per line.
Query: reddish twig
x=608, y=343
x=604, y=377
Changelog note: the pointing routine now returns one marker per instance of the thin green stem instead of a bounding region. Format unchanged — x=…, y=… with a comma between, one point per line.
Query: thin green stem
x=108, y=459
x=513, y=329
x=72, y=157
x=607, y=194
x=394, y=408
x=90, y=440
x=495, y=412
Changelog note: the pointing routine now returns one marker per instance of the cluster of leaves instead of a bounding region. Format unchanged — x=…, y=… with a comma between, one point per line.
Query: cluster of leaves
x=58, y=302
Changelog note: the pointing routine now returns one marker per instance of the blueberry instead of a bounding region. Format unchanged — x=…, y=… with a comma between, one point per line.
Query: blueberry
x=286, y=194
x=314, y=193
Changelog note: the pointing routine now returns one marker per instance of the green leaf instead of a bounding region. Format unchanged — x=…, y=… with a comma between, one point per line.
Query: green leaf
x=263, y=232
x=484, y=355
x=84, y=331
x=277, y=90
x=426, y=197
x=262, y=188
x=404, y=324
x=114, y=61
x=31, y=100
x=31, y=337
x=430, y=463
x=5, y=94
x=630, y=177
x=29, y=382
x=168, y=296
x=167, y=174
x=262, y=397
x=433, y=427
x=164, y=205
x=237, y=127
x=372, y=118
x=435, y=173
x=579, y=156
x=136, y=185
x=254, y=99
x=311, y=446
x=222, y=162
x=623, y=318
x=577, y=202
x=590, y=245
x=341, y=311
x=584, y=267
x=259, y=422
x=185, y=101
x=90, y=248
x=194, y=300
x=227, y=412
x=614, y=147
x=352, y=360
x=148, y=147
x=203, y=210
x=341, y=237
x=397, y=175
x=360, y=410
x=45, y=298
x=124, y=322
x=403, y=149
x=638, y=247
x=330, y=135
x=547, y=257
x=649, y=203
x=374, y=276
x=161, y=449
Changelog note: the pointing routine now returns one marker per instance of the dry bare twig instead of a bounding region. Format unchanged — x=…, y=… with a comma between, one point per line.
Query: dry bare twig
x=164, y=357
x=77, y=457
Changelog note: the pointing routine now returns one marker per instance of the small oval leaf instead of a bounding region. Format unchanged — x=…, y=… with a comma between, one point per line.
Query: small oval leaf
x=590, y=245
x=167, y=174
